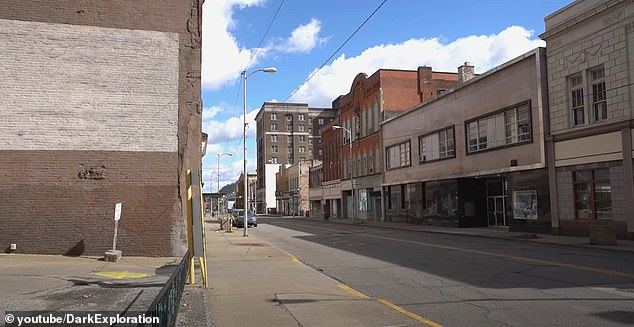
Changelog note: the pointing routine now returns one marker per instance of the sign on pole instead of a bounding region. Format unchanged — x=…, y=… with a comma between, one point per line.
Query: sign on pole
x=117, y=211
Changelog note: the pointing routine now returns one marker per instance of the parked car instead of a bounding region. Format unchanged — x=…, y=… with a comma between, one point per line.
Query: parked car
x=238, y=218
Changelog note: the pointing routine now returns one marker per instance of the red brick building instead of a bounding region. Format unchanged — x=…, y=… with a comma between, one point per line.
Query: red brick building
x=100, y=105
x=360, y=113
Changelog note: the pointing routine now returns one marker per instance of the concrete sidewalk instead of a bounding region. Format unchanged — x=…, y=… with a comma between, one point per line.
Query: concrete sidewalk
x=252, y=283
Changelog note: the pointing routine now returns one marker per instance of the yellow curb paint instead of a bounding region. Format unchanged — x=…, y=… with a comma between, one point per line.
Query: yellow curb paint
x=119, y=274
x=508, y=256
x=293, y=258
x=389, y=304
x=409, y=314
x=353, y=291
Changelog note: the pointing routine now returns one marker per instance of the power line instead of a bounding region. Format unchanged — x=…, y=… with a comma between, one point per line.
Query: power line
x=336, y=51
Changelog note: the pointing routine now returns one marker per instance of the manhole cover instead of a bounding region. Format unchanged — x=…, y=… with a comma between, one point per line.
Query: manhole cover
x=250, y=244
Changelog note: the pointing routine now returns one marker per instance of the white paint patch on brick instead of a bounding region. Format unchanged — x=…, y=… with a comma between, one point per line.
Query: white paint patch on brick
x=70, y=87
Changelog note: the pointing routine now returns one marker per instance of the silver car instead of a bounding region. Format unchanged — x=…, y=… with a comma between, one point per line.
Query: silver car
x=238, y=218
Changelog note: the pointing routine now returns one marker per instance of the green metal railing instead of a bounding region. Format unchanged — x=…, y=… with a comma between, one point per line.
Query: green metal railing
x=165, y=305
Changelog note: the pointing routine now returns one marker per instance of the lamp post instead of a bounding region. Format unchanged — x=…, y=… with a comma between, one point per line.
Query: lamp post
x=354, y=204
x=244, y=144
x=220, y=155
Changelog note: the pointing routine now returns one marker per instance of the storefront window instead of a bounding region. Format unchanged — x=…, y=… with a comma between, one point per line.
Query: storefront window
x=593, y=194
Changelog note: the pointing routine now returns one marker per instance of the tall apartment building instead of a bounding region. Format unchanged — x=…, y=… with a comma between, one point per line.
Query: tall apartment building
x=590, y=69
x=357, y=155
x=286, y=134
x=100, y=105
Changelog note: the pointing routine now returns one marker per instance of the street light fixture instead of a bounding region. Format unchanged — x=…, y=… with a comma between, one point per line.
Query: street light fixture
x=354, y=204
x=220, y=155
x=244, y=144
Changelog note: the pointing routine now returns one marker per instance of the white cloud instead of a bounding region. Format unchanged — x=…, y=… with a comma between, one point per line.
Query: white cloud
x=304, y=38
x=222, y=58
x=482, y=51
x=211, y=112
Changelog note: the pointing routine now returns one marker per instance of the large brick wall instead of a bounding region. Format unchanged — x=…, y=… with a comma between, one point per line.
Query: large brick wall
x=100, y=104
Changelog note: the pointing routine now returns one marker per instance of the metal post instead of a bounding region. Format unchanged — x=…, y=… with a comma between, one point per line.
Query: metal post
x=244, y=149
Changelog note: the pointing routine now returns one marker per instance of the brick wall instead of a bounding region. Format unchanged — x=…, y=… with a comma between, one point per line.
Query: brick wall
x=103, y=106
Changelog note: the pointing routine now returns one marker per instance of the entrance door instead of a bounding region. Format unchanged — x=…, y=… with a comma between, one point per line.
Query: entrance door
x=496, y=201
x=496, y=208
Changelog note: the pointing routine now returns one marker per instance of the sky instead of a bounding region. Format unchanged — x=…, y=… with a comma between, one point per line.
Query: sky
x=297, y=37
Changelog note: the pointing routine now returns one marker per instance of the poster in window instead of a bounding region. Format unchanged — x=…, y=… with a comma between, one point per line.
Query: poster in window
x=525, y=204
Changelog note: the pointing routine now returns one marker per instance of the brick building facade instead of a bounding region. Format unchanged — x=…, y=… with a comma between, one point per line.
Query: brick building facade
x=361, y=112
x=100, y=105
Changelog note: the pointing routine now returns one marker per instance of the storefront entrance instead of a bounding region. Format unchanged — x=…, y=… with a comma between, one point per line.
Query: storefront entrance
x=496, y=202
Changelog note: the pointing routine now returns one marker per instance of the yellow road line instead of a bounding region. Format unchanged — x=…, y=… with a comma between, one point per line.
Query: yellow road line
x=389, y=304
x=409, y=314
x=353, y=291
x=508, y=256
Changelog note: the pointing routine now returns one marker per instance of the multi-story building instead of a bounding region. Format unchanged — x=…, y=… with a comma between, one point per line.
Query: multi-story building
x=316, y=191
x=589, y=45
x=292, y=188
x=286, y=134
x=474, y=156
x=361, y=113
x=99, y=106
x=251, y=194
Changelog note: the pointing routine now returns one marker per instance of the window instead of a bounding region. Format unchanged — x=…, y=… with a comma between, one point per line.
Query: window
x=441, y=91
x=290, y=160
x=273, y=116
x=289, y=128
x=301, y=128
x=302, y=138
x=302, y=149
x=310, y=141
x=274, y=127
x=511, y=126
x=575, y=84
x=599, y=104
x=289, y=117
x=593, y=194
x=437, y=145
x=301, y=117
x=274, y=149
x=273, y=138
x=397, y=156
x=290, y=149
x=320, y=121
x=289, y=139
x=273, y=160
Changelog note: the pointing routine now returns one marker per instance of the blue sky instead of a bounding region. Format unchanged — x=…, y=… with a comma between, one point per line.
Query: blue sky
x=403, y=34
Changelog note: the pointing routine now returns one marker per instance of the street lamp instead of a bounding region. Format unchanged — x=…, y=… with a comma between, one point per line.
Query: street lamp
x=244, y=144
x=220, y=155
x=354, y=204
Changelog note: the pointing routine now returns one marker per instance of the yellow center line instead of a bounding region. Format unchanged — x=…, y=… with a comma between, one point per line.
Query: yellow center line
x=389, y=304
x=507, y=256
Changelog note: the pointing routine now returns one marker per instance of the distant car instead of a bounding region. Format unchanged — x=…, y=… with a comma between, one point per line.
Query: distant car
x=238, y=218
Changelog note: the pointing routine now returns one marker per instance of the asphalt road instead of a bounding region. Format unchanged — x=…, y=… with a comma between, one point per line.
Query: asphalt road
x=451, y=280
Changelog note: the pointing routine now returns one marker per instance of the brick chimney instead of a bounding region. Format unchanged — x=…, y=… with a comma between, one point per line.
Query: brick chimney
x=465, y=72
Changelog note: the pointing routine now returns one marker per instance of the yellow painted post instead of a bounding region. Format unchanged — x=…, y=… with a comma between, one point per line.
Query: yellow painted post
x=202, y=261
x=190, y=229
